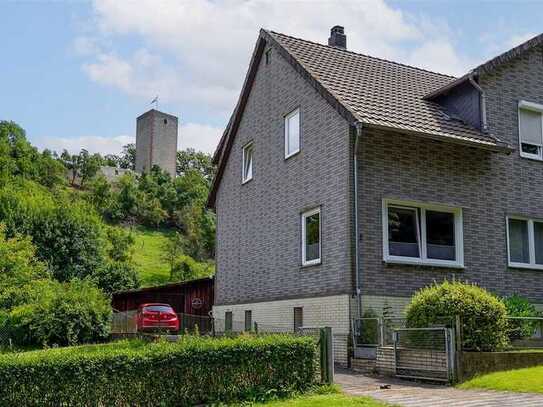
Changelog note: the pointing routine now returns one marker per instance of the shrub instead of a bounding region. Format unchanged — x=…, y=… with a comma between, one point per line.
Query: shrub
x=116, y=276
x=193, y=371
x=68, y=234
x=484, y=323
x=518, y=306
x=54, y=313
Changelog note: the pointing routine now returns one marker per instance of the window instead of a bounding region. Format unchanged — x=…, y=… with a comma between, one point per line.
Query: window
x=530, y=130
x=268, y=56
x=422, y=234
x=247, y=166
x=525, y=244
x=292, y=133
x=228, y=321
x=248, y=320
x=298, y=318
x=311, y=237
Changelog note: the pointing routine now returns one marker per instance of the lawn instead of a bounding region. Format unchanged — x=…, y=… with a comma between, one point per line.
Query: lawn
x=149, y=255
x=528, y=380
x=325, y=400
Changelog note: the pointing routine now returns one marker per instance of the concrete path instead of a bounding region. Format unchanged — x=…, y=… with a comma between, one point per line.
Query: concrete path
x=412, y=394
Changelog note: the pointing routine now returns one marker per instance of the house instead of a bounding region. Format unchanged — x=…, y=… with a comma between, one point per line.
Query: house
x=347, y=182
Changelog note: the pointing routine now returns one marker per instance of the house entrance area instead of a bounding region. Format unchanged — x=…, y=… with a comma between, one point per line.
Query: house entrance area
x=386, y=346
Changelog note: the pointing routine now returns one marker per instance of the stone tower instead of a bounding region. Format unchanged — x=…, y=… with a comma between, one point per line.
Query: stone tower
x=156, y=141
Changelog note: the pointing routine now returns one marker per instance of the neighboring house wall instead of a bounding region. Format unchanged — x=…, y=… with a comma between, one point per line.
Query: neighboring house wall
x=487, y=186
x=259, y=223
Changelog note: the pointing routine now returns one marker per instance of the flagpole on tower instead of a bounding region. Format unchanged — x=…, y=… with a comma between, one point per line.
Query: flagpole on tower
x=155, y=101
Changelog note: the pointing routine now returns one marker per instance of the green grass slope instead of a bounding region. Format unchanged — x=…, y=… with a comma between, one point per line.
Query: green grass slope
x=150, y=255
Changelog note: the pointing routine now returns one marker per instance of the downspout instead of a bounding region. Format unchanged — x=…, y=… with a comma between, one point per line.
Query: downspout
x=357, y=134
x=482, y=101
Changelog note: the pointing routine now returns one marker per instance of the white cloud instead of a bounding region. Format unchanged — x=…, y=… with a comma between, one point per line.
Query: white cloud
x=94, y=144
x=201, y=137
x=197, y=52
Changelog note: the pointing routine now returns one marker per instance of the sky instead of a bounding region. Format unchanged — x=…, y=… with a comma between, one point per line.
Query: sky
x=76, y=74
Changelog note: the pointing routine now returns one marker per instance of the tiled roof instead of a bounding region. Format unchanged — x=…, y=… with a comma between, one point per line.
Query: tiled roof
x=382, y=93
x=365, y=90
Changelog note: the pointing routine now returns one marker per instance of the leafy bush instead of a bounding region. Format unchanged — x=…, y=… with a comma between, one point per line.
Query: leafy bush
x=194, y=371
x=518, y=306
x=68, y=234
x=483, y=315
x=116, y=276
x=54, y=313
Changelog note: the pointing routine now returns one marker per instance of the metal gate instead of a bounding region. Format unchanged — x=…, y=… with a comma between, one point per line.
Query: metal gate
x=424, y=353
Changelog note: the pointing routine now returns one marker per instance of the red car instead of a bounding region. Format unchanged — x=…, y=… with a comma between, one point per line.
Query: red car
x=154, y=317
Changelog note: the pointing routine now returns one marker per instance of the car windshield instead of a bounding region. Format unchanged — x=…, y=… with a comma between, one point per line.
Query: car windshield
x=161, y=308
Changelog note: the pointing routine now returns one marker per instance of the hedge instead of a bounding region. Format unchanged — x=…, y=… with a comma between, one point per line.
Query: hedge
x=133, y=373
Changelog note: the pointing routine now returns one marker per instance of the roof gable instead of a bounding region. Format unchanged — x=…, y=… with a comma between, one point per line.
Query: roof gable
x=364, y=90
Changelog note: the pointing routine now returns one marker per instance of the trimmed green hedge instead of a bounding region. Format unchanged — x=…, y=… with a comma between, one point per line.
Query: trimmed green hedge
x=133, y=373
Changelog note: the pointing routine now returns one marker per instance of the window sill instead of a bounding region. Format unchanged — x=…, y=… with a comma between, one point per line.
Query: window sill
x=421, y=263
x=309, y=265
x=536, y=267
x=530, y=157
x=246, y=181
x=292, y=154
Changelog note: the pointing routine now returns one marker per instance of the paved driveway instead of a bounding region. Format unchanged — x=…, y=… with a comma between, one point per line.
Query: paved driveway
x=411, y=394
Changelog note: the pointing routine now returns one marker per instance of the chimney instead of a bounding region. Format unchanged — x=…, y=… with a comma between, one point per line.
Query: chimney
x=337, y=37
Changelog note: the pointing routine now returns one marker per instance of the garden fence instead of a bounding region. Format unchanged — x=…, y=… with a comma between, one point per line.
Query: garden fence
x=125, y=323
x=525, y=332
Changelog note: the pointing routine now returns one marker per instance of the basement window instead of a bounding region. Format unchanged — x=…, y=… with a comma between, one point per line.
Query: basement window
x=247, y=163
x=530, y=130
x=417, y=233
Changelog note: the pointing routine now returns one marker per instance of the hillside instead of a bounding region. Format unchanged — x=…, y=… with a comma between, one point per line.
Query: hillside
x=150, y=255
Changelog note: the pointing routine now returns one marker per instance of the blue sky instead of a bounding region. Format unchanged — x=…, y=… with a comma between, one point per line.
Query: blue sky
x=77, y=74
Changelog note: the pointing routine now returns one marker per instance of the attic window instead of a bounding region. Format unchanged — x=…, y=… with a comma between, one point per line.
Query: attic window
x=530, y=126
x=267, y=56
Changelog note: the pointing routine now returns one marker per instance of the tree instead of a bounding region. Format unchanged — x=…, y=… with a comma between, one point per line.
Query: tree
x=18, y=267
x=111, y=160
x=18, y=158
x=191, y=159
x=173, y=249
x=127, y=159
x=88, y=165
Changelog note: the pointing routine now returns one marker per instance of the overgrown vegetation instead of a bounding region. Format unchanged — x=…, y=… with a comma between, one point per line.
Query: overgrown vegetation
x=519, y=307
x=483, y=315
x=72, y=244
x=193, y=371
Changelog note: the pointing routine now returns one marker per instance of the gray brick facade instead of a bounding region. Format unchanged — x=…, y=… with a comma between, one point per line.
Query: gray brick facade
x=259, y=223
x=487, y=186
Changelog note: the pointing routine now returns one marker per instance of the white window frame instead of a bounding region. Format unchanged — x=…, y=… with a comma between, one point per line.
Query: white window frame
x=286, y=122
x=244, y=149
x=305, y=215
x=421, y=234
x=534, y=107
x=531, y=244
